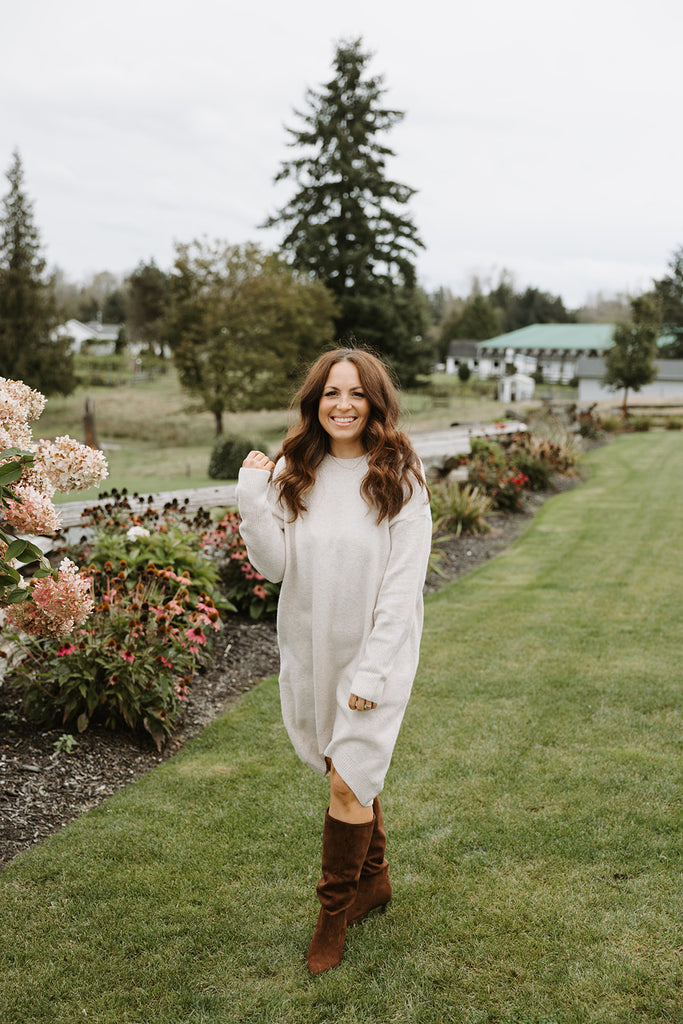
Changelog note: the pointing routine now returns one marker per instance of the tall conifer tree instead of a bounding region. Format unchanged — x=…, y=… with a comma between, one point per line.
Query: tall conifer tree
x=28, y=313
x=346, y=224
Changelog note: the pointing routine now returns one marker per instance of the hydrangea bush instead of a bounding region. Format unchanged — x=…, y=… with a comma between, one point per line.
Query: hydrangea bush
x=54, y=600
x=132, y=663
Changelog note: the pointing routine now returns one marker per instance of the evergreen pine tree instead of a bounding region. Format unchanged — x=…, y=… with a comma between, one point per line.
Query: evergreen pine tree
x=345, y=223
x=28, y=313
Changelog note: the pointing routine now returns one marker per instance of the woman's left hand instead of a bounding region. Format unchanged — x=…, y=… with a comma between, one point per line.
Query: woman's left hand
x=361, y=704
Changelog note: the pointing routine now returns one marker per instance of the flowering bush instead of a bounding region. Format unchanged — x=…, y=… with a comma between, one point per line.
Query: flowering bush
x=133, y=662
x=247, y=591
x=495, y=473
x=29, y=475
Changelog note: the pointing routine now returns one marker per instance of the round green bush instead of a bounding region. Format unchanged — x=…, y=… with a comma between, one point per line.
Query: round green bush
x=229, y=452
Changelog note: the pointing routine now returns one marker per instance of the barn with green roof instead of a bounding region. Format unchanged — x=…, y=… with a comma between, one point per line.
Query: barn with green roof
x=553, y=349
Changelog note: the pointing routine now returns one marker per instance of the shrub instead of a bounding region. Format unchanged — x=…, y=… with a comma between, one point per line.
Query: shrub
x=535, y=469
x=589, y=426
x=30, y=473
x=457, y=509
x=156, y=590
x=492, y=470
x=674, y=423
x=132, y=664
x=229, y=452
x=610, y=423
x=642, y=423
x=556, y=447
x=464, y=372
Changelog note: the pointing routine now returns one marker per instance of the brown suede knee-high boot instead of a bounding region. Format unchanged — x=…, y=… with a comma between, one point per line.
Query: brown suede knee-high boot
x=344, y=849
x=374, y=886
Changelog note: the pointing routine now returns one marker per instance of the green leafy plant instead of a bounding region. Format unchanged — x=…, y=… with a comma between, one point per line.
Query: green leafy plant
x=65, y=744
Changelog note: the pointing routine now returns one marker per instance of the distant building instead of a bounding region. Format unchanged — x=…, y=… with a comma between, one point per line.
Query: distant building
x=99, y=339
x=462, y=353
x=667, y=384
x=516, y=387
x=551, y=349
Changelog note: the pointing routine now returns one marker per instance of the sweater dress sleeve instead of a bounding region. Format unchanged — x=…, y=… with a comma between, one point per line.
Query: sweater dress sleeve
x=262, y=527
x=399, y=598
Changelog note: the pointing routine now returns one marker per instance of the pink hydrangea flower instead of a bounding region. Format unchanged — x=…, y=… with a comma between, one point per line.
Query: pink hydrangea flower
x=33, y=513
x=18, y=402
x=15, y=435
x=69, y=465
x=58, y=606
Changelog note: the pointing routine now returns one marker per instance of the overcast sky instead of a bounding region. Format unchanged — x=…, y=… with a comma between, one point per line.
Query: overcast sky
x=542, y=137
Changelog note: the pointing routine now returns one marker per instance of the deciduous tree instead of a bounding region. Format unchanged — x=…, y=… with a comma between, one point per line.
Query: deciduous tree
x=29, y=350
x=630, y=363
x=242, y=324
x=346, y=222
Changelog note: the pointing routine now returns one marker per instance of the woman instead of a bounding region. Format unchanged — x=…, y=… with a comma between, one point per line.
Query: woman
x=343, y=519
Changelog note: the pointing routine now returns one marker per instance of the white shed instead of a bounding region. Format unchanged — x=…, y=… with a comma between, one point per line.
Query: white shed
x=517, y=387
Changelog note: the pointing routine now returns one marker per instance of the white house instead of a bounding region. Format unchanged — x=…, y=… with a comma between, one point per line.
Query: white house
x=667, y=384
x=100, y=339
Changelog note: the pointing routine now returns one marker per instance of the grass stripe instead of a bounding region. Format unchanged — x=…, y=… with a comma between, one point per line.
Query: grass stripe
x=533, y=807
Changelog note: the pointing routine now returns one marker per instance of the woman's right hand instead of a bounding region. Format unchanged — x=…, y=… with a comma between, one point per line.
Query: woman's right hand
x=257, y=460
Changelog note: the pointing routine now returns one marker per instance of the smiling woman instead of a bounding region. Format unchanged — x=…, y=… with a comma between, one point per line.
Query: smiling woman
x=342, y=518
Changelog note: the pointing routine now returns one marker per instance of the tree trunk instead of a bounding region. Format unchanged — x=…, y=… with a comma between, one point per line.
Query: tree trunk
x=219, y=422
x=624, y=405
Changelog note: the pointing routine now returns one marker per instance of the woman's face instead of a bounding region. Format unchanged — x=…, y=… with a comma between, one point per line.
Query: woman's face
x=343, y=411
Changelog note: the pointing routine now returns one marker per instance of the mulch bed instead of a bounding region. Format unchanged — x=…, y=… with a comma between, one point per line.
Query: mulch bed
x=42, y=789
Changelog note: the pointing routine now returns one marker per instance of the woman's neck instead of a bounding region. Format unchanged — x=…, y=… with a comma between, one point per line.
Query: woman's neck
x=343, y=451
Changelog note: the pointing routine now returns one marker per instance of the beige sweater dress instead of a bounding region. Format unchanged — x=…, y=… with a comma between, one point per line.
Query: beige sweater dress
x=349, y=615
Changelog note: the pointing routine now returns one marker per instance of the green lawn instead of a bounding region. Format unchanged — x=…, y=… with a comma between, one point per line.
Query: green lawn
x=533, y=810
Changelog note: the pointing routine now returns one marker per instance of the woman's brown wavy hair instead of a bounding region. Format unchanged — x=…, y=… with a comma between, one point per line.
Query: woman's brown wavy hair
x=393, y=466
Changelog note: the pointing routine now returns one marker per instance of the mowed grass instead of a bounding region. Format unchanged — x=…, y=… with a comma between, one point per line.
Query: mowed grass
x=533, y=809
